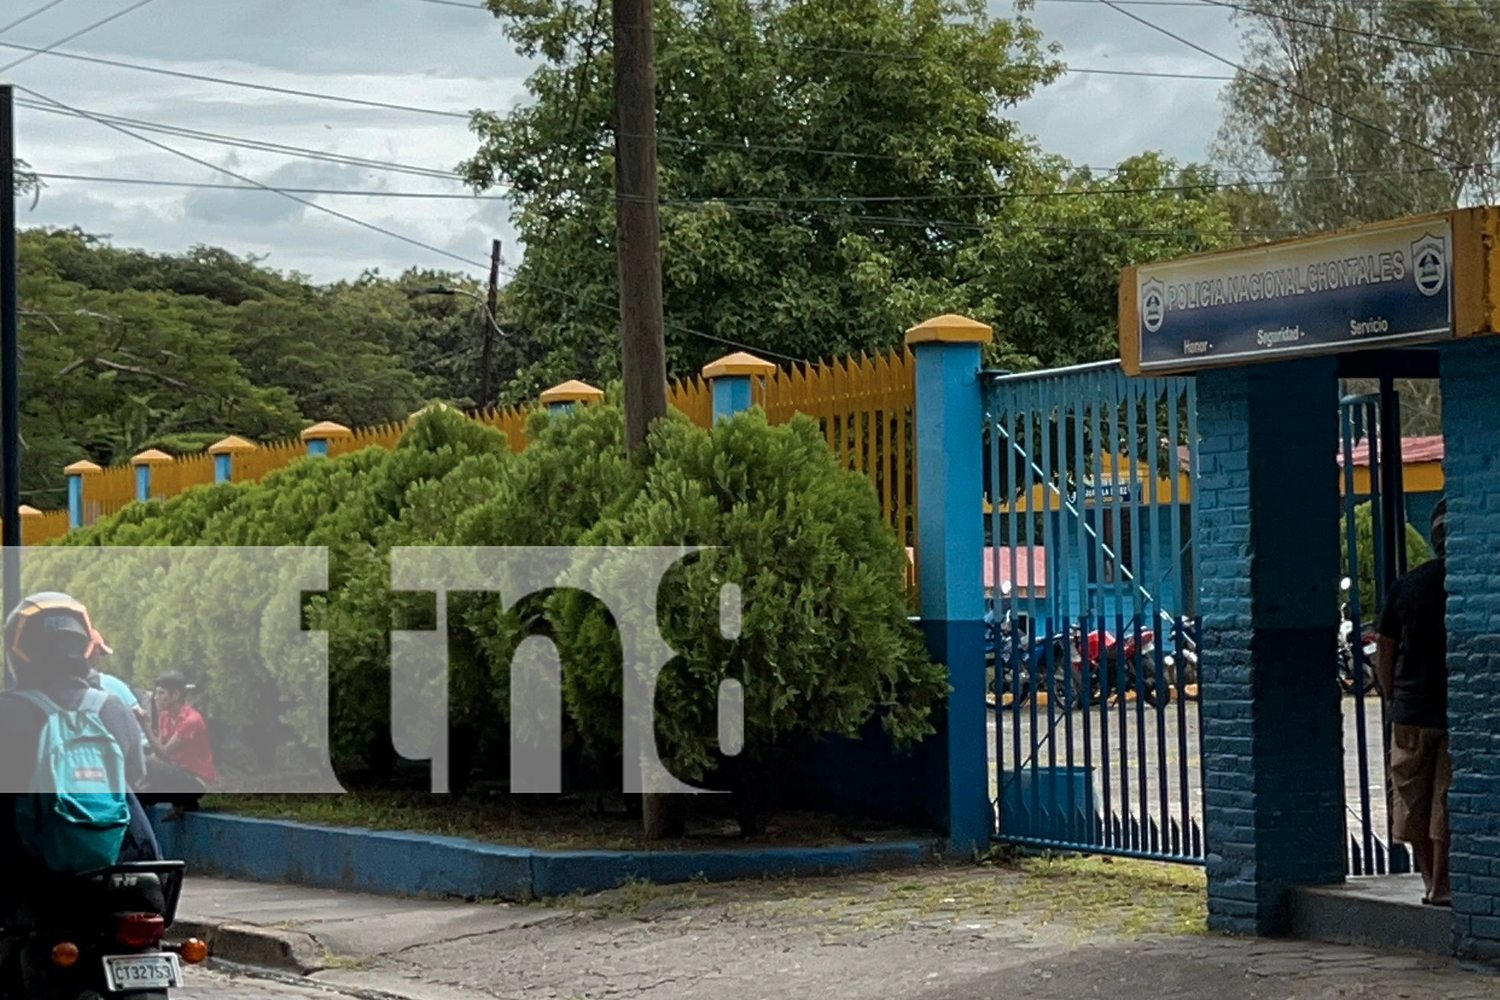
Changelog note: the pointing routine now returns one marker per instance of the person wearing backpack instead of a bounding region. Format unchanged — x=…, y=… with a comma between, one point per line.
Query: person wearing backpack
x=69, y=754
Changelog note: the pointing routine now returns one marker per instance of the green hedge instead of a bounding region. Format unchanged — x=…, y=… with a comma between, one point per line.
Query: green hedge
x=825, y=644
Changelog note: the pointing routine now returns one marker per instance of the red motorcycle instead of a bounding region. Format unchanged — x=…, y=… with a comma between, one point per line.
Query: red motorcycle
x=1115, y=668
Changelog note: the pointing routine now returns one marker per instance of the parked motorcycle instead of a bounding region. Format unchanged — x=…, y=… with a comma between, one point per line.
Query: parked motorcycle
x=101, y=935
x=1369, y=642
x=1128, y=666
x=1005, y=644
x=1180, y=663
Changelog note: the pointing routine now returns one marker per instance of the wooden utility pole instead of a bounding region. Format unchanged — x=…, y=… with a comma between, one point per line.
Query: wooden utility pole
x=10, y=360
x=643, y=351
x=487, y=354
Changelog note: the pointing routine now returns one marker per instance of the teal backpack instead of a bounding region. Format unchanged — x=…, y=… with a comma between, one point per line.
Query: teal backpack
x=75, y=815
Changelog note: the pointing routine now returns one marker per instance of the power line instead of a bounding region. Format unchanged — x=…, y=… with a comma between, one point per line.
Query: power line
x=26, y=17
x=372, y=227
x=77, y=34
x=254, y=183
x=260, y=145
x=209, y=186
x=1357, y=32
x=1063, y=193
x=224, y=81
x=1114, y=5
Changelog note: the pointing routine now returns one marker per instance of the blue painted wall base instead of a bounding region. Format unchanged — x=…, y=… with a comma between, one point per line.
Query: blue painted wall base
x=416, y=864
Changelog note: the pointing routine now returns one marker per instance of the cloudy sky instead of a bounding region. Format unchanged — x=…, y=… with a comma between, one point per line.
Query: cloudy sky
x=442, y=57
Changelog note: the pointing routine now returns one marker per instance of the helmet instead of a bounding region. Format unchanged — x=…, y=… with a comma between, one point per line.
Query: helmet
x=51, y=631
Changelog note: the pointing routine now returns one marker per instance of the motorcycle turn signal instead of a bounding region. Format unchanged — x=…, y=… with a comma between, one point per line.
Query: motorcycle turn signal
x=193, y=951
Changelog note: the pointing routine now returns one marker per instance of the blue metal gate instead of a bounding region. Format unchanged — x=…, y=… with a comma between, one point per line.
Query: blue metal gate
x=1370, y=432
x=1093, y=612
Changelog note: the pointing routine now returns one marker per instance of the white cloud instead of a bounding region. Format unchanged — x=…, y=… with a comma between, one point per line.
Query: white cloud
x=413, y=53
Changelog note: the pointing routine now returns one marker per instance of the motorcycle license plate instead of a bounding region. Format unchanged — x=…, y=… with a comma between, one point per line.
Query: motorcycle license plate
x=124, y=973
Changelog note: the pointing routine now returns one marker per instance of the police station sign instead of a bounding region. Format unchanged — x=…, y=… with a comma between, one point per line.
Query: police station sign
x=1381, y=286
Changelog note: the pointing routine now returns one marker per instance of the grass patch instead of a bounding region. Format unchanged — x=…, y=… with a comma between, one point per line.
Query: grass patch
x=496, y=819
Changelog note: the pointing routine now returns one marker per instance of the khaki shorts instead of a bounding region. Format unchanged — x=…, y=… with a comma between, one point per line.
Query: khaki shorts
x=1421, y=773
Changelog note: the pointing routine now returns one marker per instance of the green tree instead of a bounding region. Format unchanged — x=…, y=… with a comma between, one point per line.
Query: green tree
x=1417, y=552
x=771, y=114
x=1404, y=120
x=1045, y=274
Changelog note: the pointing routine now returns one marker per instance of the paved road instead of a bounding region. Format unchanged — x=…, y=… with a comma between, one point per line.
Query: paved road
x=1141, y=744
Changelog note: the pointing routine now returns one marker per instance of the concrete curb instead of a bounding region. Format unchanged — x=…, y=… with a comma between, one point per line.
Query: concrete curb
x=413, y=864
x=248, y=944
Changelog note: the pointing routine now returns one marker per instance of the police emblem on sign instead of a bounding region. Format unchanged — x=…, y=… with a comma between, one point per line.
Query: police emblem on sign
x=1429, y=264
x=1153, y=305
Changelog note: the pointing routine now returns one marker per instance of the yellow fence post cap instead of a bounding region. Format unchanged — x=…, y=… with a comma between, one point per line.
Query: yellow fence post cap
x=950, y=329
x=151, y=456
x=82, y=467
x=232, y=445
x=571, y=391
x=26, y=510
x=325, y=429
x=738, y=363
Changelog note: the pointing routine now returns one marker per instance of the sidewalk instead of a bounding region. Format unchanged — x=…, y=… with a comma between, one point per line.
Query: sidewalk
x=1049, y=931
x=305, y=931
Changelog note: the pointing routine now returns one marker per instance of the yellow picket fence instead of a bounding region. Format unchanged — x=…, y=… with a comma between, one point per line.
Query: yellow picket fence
x=864, y=407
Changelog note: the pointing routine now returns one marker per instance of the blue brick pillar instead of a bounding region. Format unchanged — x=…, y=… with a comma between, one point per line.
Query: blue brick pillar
x=1471, y=471
x=733, y=379
x=950, y=546
x=1271, y=712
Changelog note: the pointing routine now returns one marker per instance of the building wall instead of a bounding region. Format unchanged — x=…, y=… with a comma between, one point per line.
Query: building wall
x=1471, y=426
x=1269, y=566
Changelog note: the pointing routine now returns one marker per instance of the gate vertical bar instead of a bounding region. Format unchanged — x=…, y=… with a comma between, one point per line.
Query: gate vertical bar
x=1361, y=863
x=1117, y=682
x=1159, y=534
x=1057, y=568
x=998, y=638
x=1176, y=393
x=1033, y=443
x=1080, y=710
x=1019, y=517
x=1102, y=396
x=1139, y=562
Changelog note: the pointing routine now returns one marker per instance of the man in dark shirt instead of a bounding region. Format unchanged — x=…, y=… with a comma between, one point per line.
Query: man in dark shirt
x=1411, y=664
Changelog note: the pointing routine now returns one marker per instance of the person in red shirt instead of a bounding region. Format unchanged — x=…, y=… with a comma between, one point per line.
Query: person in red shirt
x=182, y=761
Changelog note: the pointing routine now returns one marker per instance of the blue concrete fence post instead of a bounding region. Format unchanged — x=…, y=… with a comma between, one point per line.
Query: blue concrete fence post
x=561, y=398
x=733, y=379
x=1272, y=719
x=143, y=463
x=223, y=452
x=950, y=545
x=75, y=474
x=318, y=435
